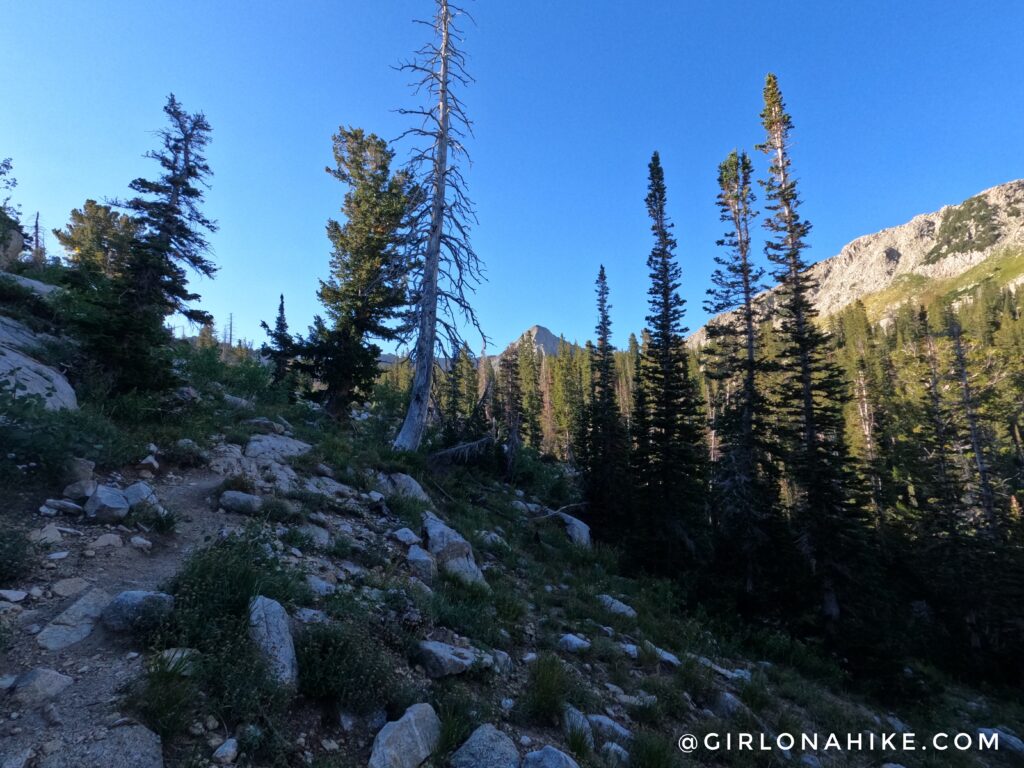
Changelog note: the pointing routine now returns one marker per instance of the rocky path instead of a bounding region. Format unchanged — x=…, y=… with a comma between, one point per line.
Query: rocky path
x=65, y=713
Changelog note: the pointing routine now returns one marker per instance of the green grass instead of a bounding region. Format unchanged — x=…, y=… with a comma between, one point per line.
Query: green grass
x=15, y=554
x=547, y=690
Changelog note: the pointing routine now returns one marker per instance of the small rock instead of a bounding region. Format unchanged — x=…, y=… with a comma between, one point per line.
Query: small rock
x=140, y=495
x=49, y=534
x=406, y=536
x=573, y=643
x=575, y=722
x=615, y=606
x=64, y=507
x=487, y=747
x=107, y=505
x=421, y=563
x=80, y=490
x=548, y=757
x=270, y=632
x=320, y=587
x=108, y=540
x=241, y=503
x=440, y=659
x=12, y=595
x=609, y=730
x=614, y=755
x=408, y=741
x=226, y=753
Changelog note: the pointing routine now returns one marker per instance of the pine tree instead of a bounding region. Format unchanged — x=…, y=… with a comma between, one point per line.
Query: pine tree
x=172, y=227
x=366, y=291
x=813, y=389
x=511, y=399
x=281, y=350
x=98, y=238
x=606, y=449
x=673, y=469
x=741, y=481
x=529, y=385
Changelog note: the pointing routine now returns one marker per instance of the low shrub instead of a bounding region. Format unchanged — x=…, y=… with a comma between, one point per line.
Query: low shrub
x=547, y=690
x=15, y=554
x=342, y=662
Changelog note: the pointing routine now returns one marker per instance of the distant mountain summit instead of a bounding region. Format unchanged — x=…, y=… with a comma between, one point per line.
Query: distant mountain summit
x=934, y=254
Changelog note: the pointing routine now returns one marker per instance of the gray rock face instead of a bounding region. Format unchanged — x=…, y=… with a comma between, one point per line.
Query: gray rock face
x=406, y=536
x=240, y=503
x=440, y=659
x=421, y=563
x=80, y=490
x=549, y=757
x=575, y=722
x=76, y=623
x=487, y=747
x=107, y=505
x=577, y=531
x=453, y=553
x=408, y=741
x=573, y=643
x=275, y=447
x=39, y=685
x=399, y=484
x=619, y=608
x=609, y=730
x=139, y=495
x=137, y=610
x=29, y=377
x=132, y=746
x=271, y=634
x=614, y=755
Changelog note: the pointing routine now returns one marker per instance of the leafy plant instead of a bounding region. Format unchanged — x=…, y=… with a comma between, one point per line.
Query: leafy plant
x=343, y=662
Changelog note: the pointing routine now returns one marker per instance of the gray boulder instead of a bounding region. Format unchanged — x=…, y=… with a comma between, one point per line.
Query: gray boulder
x=614, y=755
x=487, y=747
x=619, y=608
x=137, y=610
x=453, y=553
x=80, y=490
x=577, y=531
x=575, y=722
x=29, y=377
x=408, y=741
x=76, y=623
x=406, y=536
x=107, y=505
x=271, y=634
x=421, y=563
x=441, y=660
x=240, y=503
x=275, y=447
x=39, y=685
x=609, y=730
x=573, y=643
x=549, y=757
x=399, y=484
x=140, y=495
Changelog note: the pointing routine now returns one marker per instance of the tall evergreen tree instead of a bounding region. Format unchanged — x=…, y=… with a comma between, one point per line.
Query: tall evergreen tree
x=367, y=289
x=606, y=449
x=673, y=469
x=813, y=389
x=281, y=350
x=741, y=483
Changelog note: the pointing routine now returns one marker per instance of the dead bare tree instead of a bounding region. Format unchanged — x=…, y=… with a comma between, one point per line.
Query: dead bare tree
x=447, y=268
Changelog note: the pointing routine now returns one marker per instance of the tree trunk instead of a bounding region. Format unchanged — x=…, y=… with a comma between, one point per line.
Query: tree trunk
x=411, y=434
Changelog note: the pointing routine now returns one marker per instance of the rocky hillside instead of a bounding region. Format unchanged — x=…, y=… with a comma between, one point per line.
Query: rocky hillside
x=948, y=250
x=270, y=594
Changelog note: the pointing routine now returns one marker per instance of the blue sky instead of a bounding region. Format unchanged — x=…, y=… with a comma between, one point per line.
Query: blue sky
x=899, y=108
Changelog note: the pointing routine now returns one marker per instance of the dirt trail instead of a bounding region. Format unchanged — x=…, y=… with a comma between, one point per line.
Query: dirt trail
x=86, y=712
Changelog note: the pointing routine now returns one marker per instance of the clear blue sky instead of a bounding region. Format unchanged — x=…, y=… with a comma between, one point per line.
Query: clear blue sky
x=899, y=107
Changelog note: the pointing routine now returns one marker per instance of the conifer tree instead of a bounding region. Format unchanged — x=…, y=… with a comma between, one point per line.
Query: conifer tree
x=813, y=389
x=367, y=290
x=606, y=451
x=673, y=469
x=98, y=238
x=741, y=483
x=511, y=399
x=282, y=347
x=529, y=385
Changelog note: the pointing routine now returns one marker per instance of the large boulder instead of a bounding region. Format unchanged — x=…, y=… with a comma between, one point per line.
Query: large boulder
x=27, y=377
x=107, y=505
x=577, y=531
x=487, y=747
x=275, y=447
x=137, y=611
x=441, y=659
x=38, y=686
x=408, y=741
x=241, y=503
x=453, y=553
x=421, y=563
x=140, y=495
x=619, y=608
x=76, y=623
x=549, y=757
x=271, y=633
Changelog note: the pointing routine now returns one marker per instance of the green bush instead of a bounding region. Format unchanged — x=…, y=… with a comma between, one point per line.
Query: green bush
x=547, y=690
x=165, y=697
x=343, y=663
x=465, y=608
x=652, y=750
x=459, y=714
x=15, y=554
